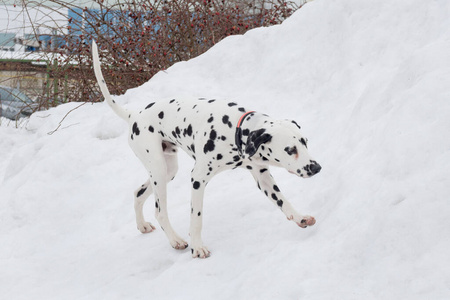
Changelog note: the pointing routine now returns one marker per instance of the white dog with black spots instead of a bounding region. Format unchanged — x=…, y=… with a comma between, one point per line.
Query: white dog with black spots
x=219, y=136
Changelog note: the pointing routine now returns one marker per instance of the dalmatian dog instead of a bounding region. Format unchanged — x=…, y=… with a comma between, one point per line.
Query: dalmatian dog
x=218, y=136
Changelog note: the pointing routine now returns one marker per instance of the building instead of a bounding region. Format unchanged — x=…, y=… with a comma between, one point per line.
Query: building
x=7, y=41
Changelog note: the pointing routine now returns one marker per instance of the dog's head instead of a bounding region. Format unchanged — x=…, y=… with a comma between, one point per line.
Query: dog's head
x=282, y=144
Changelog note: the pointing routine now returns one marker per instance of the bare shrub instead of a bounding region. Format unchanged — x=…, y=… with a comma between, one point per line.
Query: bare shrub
x=142, y=37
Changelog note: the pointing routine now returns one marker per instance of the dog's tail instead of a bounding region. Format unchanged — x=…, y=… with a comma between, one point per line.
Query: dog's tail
x=120, y=111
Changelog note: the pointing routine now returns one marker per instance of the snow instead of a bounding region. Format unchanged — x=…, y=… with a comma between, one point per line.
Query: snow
x=368, y=83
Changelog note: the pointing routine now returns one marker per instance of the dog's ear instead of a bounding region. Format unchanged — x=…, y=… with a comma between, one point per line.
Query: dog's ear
x=255, y=140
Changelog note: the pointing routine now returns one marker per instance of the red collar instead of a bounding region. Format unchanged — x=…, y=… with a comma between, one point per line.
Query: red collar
x=238, y=135
x=241, y=120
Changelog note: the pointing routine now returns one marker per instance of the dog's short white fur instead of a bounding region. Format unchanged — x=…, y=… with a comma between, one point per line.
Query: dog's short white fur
x=219, y=136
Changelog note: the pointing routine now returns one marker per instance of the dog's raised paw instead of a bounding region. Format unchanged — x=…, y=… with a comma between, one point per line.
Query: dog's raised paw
x=306, y=221
x=146, y=227
x=200, y=252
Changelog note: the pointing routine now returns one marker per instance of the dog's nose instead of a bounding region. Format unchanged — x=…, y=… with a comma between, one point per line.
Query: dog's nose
x=315, y=168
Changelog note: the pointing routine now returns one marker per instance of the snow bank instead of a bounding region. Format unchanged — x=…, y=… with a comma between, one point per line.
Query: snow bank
x=368, y=82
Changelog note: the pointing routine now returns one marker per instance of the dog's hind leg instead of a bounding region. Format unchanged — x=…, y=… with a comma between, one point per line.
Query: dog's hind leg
x=158, y=178
x=170, y=169
x=161, y=164
x=140, y=195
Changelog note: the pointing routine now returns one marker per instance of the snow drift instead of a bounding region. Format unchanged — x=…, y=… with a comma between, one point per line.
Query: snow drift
x=368, y=83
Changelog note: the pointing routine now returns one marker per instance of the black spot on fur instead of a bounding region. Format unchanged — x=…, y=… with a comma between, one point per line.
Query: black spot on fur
x=150, y=105
x=172, y=101
x=199, y=214
x=262, y=170
x=210, y=119
x=296, y=124
x=302, y=140
x=189, y=130
x=209, y=146
x=141, y=191
x=161, y=115
x=213, y=135
x=196, y=185
x=275, y=187
x=151, y=129
x=274, y=196
x=241, y=109
x=231, y=104
x=225, y=119
x=249, y=167
x=219, y=156
x=280, y=203
x=136, y=130
x=211, y=101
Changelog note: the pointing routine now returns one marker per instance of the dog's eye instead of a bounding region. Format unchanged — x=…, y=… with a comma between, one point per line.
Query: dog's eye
x=291, y=150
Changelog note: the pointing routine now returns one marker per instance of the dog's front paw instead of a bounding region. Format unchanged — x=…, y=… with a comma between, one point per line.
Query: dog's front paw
x=306, y=221
x=146, y=227
x=200, y=252
x=303, y=221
